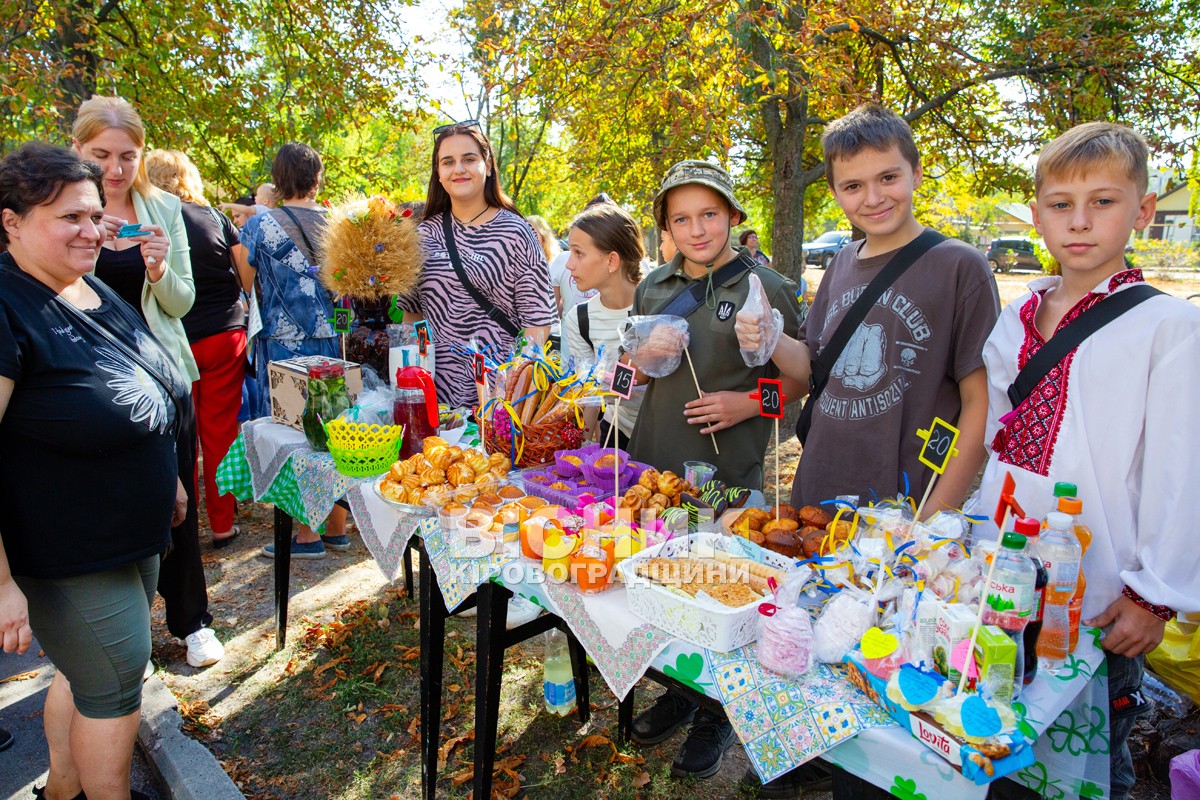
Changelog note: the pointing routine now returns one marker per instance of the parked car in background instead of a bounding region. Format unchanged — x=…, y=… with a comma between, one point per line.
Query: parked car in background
x=821, y=250
x=1003, y=255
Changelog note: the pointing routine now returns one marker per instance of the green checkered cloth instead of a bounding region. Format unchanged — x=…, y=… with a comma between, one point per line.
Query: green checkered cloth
x=233, y=477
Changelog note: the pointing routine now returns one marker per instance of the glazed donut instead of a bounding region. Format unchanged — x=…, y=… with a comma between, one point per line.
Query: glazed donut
x=649, y=479
x=400, y=469
x=440, y=457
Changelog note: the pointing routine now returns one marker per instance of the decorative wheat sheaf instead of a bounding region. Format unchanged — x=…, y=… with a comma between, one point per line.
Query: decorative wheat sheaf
x=370, y=249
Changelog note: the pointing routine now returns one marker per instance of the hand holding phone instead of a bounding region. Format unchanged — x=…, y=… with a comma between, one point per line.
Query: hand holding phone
x=131, y=230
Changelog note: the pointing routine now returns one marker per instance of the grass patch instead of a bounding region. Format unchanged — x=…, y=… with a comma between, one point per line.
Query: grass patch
x=342, y=721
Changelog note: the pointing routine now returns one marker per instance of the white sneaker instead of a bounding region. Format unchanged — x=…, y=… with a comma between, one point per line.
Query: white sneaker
x=204, y=648
x=521, y=611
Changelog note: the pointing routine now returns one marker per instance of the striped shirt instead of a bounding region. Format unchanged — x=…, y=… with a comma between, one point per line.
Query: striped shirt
x=504, y=261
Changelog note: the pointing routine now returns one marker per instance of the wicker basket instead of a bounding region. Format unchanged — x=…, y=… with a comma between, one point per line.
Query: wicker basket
x=360, y=450
x=535, y=445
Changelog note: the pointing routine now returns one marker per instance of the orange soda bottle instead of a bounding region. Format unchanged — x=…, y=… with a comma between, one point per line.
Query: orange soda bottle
x=1074, y=507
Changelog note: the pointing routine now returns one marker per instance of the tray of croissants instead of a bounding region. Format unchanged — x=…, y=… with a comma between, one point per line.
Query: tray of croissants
x=796, y=533
x=441, y=473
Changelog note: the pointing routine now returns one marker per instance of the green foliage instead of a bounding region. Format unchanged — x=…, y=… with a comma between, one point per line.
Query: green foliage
x=228, y=84
x=1159, y=255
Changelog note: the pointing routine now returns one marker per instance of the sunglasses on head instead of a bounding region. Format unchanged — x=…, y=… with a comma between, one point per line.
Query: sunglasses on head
x=466, y=123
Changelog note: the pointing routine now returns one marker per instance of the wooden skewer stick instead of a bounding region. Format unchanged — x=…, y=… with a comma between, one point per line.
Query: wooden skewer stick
x=962, y=682
x=700, y=392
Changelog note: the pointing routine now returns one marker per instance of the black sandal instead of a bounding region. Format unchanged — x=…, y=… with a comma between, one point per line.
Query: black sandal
x=225, y=541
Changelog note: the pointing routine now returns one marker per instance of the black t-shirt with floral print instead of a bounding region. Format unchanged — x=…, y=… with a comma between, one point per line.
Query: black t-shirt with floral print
x=87, y=443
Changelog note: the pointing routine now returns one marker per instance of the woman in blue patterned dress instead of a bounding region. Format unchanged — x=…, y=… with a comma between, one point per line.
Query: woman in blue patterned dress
x=297, y=311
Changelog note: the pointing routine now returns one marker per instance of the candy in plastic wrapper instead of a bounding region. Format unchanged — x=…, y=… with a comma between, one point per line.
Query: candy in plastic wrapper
x=655, y=344
x=846, y=617
x=785, y=631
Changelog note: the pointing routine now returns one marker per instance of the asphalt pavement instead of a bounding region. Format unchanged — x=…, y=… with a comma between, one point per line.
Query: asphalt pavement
x=24, y=765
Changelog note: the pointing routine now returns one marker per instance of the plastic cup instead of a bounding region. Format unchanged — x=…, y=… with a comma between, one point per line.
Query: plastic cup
x=698, y=473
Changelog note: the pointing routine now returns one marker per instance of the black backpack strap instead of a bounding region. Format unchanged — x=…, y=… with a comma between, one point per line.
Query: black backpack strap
x=823, y=364
x=487, y=306
x=1072, y=335
x=585, y=323
x=691, y=296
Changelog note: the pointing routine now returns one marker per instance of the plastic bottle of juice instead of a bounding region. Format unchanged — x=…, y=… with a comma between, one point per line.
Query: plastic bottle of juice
x=558, y=683
x=1009, y=597
x=1074, y=507
x=1061, y=552
x=1030, y=529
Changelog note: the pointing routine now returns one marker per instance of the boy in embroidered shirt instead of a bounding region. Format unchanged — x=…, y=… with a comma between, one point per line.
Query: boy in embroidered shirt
x=1115, y=416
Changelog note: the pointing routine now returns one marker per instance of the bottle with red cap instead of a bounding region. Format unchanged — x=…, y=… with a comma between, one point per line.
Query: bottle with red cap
x=1030, y=529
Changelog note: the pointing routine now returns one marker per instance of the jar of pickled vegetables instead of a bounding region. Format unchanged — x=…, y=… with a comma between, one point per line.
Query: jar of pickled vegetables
x=327, y=399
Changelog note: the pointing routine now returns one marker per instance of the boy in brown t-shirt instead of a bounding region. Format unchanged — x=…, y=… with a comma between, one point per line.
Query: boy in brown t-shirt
x=916, y=355
x=918, y=352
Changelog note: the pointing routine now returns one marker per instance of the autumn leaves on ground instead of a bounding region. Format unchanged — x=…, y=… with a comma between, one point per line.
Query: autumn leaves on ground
x=335, y=714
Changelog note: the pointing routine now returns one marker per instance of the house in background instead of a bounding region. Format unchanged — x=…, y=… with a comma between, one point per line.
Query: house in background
x=1172, y=222
x=1015, y=220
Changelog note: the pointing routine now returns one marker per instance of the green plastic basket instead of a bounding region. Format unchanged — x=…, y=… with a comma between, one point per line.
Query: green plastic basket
x=360, y=450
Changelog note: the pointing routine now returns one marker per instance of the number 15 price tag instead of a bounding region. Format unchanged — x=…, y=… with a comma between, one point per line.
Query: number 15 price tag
x=622, y=380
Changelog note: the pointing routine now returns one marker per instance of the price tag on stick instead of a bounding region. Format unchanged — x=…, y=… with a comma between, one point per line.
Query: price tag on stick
x=939, y=445
x=770, y=398
x=422, y=328
x=480, y=369
x=770, y=405
x=622, y=380
x=936, y=454
x=341, y=320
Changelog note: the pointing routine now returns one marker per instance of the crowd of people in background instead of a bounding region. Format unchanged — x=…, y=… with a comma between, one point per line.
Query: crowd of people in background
x=139, y=313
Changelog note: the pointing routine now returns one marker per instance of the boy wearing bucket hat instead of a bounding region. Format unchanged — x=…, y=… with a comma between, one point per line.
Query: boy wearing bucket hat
x=696, y=206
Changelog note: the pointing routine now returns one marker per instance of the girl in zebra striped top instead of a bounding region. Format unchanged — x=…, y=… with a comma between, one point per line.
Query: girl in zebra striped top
x=499, y=253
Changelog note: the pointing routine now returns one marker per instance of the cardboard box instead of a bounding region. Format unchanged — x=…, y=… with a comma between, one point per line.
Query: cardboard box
x=965, y=758
x=996, y=659
x=289, y=386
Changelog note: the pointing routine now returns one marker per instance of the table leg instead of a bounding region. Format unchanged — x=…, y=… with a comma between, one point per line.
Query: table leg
x=408, y=573
x=579, y=667
x=625, y=718
x=433, y=636
x=489, y=666
x=283, y=573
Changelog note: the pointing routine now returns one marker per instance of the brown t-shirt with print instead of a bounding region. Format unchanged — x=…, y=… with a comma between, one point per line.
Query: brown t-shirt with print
x=899, y=371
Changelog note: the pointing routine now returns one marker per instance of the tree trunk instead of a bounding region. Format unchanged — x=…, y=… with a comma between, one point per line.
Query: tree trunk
x=71, y=47
x=787, y=187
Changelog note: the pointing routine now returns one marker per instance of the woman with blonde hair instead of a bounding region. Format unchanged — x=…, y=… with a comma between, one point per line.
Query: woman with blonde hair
x=215, y=327
x=150, y=268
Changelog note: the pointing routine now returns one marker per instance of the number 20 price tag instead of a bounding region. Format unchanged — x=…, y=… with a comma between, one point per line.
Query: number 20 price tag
x=940, y=441
x=770, y=398
x=480, y=369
